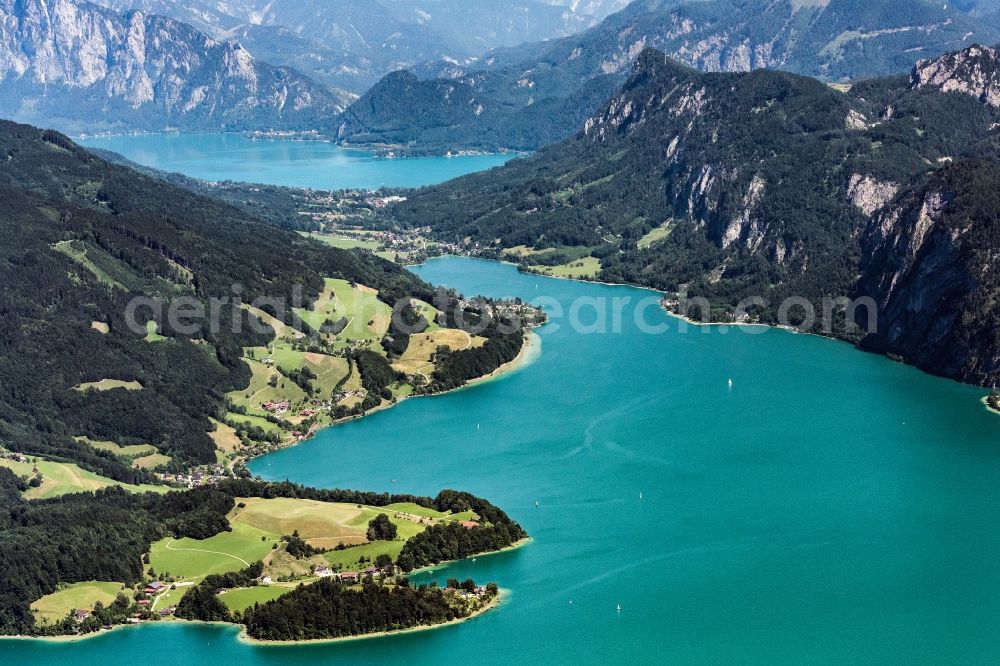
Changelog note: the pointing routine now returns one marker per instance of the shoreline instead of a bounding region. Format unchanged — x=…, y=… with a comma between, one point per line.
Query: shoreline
x=243, y=637
x=531, y=349
x=431, y=568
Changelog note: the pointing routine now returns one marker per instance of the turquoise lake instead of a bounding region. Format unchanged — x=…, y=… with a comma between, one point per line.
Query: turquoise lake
x=314, y=164
x=830, y=506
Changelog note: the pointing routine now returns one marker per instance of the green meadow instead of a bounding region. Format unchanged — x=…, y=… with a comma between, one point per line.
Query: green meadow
x=78, y=596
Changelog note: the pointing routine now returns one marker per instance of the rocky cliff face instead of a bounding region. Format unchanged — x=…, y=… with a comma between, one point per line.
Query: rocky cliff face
x=351, y=44
x=77, y=66
x=933, y=260
x=974, y=71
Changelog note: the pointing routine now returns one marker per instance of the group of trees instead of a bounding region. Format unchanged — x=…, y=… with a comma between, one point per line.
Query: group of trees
x=453, y=368
x=451, y=541
x=377, y=375
x=298, y=547
x=202, y=602
x=380, y=528
x=328, y=609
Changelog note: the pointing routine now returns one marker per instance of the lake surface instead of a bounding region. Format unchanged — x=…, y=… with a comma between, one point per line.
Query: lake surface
x=831, y=506
x=314, y=164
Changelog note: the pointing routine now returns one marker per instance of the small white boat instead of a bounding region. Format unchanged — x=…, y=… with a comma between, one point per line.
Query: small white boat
x=619, y=608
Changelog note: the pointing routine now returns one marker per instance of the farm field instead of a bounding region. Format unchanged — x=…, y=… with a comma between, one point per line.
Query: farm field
x=227, y=442
x=344, y=242
x=152, y=461
x=79, y=596
x=242, y=598
x=131, y=451
x=417, y=358
x=260, y=523
x=226, y=551
x=585, y=267
x=62, y=478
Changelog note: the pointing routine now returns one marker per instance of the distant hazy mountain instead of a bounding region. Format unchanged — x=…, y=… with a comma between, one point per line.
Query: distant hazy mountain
x=523, y=97
x=769, y=184
x=352, y=43
x=81, y=67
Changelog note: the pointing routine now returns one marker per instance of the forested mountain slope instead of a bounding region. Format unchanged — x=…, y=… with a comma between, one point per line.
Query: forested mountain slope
x=531, y=95
x=773, y=185
x=83, y=238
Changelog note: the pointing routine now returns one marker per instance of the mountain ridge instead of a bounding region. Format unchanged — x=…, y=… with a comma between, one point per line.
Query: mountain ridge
x=772, y=185
x=834, y=39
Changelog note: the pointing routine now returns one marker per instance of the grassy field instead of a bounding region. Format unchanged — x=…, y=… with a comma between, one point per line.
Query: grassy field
x=260, y=523
x=225, y=438
x=587, y=267
x=417, y=358
x=144, y=456
x=281, y=329
x=368, y=318
x=100, y=327
x=131, y=452
x=62, y=478
x=654, y=236
x=79, y=596
x=152, y=461
x=226, y=551
x=260, y=390
x=415, y=510
x=171, y=597
x=242, y=598
x=322, y=524
x=429, y=312
x=343, y=242
x=77, y=251
x=266, y=425
x=108, y=385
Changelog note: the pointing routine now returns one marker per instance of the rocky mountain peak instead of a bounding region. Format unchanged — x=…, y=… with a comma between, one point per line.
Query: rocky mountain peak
x=974, y=71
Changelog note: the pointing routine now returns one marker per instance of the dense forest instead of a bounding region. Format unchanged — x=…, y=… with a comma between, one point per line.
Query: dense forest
x=328, y=609
x=727, y=186
x=450, y=541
